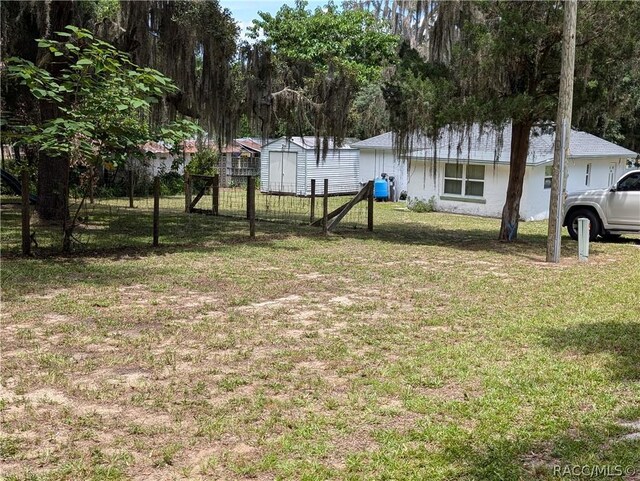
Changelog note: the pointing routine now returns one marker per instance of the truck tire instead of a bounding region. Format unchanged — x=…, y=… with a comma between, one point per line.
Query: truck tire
x=594, y=220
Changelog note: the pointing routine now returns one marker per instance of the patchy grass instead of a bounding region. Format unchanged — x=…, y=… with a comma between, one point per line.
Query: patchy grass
x=423, y=350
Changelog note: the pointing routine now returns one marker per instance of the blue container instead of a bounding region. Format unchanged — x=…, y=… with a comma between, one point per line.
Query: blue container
x=381, y=189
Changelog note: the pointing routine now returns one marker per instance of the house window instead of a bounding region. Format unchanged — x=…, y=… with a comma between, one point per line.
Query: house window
x=464, y=179
x=548, y=173
x=587, y=179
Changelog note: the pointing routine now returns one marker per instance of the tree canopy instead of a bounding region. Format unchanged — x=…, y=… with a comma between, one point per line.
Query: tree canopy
x=305, y=68
x=103, y=99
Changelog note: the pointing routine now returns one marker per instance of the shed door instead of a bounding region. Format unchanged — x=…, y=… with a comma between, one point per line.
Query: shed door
x=282, y=172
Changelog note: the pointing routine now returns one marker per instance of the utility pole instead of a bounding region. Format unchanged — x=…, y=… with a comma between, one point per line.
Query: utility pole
x=563, y=130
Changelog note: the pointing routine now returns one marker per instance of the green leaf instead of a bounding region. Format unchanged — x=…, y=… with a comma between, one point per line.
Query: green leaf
x=122, y=107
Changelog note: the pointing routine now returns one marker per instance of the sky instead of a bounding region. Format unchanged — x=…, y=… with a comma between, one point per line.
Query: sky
x=244, y=11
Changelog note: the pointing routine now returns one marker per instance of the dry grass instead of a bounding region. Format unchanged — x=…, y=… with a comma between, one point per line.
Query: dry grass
x=425, y=350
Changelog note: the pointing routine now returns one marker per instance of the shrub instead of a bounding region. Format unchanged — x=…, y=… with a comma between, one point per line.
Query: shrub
x=204, y=162
x=171, y=183
x=418, y=205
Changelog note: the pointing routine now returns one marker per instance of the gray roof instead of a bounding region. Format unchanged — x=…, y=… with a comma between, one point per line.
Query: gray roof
x=309, y=142
x=481, y=146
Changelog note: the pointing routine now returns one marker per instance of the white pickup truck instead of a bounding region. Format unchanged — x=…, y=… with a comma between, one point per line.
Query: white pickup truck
x=612, y=212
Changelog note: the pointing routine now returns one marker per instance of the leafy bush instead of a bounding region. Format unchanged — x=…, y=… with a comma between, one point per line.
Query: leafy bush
x=204, y=162
x=171, y=183
x=418, y=205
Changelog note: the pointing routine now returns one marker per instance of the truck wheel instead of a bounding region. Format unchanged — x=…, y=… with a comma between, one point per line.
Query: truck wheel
x=572, y=223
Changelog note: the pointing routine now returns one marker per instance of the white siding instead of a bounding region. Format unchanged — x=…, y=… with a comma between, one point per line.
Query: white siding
x=599, y=172
x=374, y=162
x=534, y=204
x=422, y=186
x=535, y=198
x=341, y=167
x=161, y=163
x=280, y=145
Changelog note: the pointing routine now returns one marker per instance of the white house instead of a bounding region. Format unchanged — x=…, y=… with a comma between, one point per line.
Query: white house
x=377, y=156
x=160, y=159
x=288, y=165
x=470, y=177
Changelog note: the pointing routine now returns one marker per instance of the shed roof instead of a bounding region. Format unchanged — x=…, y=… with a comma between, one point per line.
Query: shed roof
x=308, y=142
x=481, y=145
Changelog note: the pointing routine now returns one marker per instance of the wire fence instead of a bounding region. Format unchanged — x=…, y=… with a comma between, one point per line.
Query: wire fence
x=111, y=222
x=279, y=207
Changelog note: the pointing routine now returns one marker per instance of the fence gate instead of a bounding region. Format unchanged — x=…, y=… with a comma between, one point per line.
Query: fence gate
x=212, y=181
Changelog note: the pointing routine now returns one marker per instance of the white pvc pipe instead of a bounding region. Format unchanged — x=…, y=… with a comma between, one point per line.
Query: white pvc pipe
x=583, y=239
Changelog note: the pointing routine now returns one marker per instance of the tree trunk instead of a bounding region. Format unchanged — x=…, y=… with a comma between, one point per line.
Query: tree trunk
x=53, y=172
x=53, y=188
x=520, y=132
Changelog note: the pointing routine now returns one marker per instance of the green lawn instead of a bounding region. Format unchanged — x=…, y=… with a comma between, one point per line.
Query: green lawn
x=425, y=350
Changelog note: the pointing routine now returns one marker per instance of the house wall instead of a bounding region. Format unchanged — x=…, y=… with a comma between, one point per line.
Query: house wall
x=373, y=162
x=535, y=198
x=161, y=163
x=422, y=186
x=534, y=204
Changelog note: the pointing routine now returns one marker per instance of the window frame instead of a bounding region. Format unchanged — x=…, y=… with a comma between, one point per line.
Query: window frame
x=463, y=180
x=620, y=183
x=548, y=178
x=587, y=179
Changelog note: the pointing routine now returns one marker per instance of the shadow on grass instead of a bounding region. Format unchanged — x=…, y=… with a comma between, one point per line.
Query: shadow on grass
x=468, y=239
x=127, y=233
x=546, y=457
x=619, y=339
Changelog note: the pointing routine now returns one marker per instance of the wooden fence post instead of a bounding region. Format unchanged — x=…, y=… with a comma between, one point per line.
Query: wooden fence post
x=251, y=205
x=26, y=215
x=313, y=201
x=325, y=207
x=131, y=188
x=370, y=207
x=215, y=194
x=156, y=210
x=187, y=192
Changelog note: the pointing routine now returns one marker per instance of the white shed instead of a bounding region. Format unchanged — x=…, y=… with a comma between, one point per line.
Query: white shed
x=288, y=165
